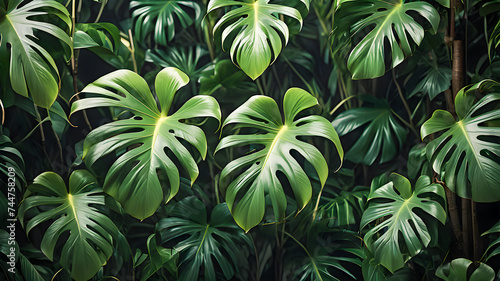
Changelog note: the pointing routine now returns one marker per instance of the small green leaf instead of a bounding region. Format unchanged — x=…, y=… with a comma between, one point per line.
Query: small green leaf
x=91, y=233
x=259, y=34
x=382, y=134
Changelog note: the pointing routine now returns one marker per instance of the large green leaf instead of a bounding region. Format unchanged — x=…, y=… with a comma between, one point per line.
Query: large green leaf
x=159, y=17
x=382, y=136
x=135, y=179
x=218, y=239
x=75, y=212
x=259, y=34
x=458, y=270
x=404, y=232
x=245, y=196
x=32, y=69
x=390, y=20
x=466, y=154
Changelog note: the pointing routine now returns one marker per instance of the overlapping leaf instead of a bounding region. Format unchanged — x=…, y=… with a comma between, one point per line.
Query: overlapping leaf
x=32, y=68
x=134, y=178
x=404, y=233
x=218, y=239
x=466, y=154
x=346, y=208
x=74, y=211
x=259, y=34
x=160, y=17
x=390, y=20
x=382, y=136
x=245, y=195
x=458, y=270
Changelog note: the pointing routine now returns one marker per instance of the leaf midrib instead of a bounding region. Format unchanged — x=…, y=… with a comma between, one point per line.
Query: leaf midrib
x=273, y=144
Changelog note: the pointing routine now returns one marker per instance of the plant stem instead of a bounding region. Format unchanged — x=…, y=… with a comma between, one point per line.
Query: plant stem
x=257, y=270
x=132, y=50
x=400, y=92
x=309, y=255
x=476, y=236
x=466, y=226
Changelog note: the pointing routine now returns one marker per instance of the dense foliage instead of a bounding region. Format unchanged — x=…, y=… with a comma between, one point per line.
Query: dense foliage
x=250, y=140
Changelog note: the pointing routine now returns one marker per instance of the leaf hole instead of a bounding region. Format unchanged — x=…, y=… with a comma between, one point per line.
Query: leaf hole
x=171, y=131
x=138, y=118
x=381, y=9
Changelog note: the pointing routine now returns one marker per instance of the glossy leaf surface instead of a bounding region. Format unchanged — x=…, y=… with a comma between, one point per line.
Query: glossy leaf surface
x=259, y=33
x=391, y=20
x=33, y=70
x=245, y=195
x=134, y=178
x=466, y=153
x=75, y=212
x=404, y=233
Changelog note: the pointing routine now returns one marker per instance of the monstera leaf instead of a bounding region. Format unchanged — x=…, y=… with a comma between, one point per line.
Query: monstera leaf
x=245, y=196
x=382, y=135
x=74, y=212
x=134, y=178
x=159, y=17
x=189, y=60
x=346, y=208
x=218, y=238
x=458, y=270
x=404, y=233
x=259, y=34
x=32, y=69
x=493, y=249
x=390, y=20
x=466, y=154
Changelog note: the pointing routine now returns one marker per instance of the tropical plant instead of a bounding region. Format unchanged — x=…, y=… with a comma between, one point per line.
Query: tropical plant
x=215, y=239
x=259, y=32
x=74, y=210
x=204, y=140
x=134, y=178
x=32, y=69
x=279, y=139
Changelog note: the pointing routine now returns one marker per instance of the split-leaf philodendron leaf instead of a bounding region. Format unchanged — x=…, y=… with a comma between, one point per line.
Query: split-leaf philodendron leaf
x=258, y=29
x=466, y=154
x=382, y=134
x=76, y=212
x=245, y=195
x=159, y=17
x=134, y=178
x=32, y=71
x=211, y=237
x=404, y=233
x=458, y=270
x=390, y=20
